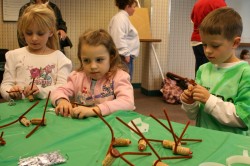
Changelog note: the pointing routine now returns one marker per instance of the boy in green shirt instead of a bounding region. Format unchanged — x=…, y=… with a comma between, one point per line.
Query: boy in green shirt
x=221, y=98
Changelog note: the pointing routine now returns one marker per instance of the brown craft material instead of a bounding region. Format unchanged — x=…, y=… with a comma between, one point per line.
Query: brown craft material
x=24, y=121
x=2, y=141
x=36, y=121
x=121, y=142
x=110, y=158
x=142, y=145
x=42, y=121
x=159, y=163
x=190, y=81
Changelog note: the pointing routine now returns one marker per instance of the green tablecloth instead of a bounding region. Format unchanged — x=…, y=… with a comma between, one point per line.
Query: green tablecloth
x=85, y=141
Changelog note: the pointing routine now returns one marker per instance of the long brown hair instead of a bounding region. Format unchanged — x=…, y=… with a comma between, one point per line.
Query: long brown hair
x=101, y=37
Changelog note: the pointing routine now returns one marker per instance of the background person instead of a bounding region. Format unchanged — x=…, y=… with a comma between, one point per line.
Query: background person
x=124, y=33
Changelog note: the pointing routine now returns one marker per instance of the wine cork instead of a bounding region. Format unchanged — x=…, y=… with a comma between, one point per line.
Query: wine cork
x=121, y=142
x=110, y=158
x=168, y=144
x=2, y=142
x=182, y=150
x=24, y=121
x=159, y=163
x=31, y=98
x=36, y=121
x=142, y=145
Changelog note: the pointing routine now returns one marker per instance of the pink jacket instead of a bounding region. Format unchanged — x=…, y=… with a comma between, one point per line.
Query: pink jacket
x=109, y=95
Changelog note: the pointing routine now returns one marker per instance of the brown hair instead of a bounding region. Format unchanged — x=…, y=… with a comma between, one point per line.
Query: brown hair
x=96, y=38
x=121, y=4
x=223, y=21
x=243, y=52
x=44, y=17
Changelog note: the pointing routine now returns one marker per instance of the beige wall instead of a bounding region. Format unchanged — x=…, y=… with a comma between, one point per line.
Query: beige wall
x=175, y=56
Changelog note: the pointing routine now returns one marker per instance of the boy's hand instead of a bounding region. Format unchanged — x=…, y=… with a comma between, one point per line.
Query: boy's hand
x=187, y=95
x=82, y=112
x=28, y=91
x=63, y=108
x=17, y=92
x=200, y=94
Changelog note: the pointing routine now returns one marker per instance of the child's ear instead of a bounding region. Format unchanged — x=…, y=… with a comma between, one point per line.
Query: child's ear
x=236, y=42
x=50, y=34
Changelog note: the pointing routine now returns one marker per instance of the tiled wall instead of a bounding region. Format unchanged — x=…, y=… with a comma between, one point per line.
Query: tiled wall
x=170, y=22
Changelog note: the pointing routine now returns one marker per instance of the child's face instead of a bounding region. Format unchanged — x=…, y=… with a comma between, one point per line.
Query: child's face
x=218, y=49
x=36, y=38
x=95, y=60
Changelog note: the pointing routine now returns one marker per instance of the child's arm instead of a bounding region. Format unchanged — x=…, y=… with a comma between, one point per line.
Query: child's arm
x=224, y=112
x=64, y=91
x=124, y=95
x=9, y=77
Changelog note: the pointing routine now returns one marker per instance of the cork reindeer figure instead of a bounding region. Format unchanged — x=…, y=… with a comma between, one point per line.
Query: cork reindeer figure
x=112, y=153
x=143, y=142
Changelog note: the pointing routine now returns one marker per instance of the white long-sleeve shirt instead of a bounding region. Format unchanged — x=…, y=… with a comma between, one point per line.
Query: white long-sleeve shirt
x=51, y=71
x=124, y=34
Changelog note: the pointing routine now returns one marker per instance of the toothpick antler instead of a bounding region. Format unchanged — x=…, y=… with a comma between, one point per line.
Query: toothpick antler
x=43, y=118
x=112, y=152
x=20, y=116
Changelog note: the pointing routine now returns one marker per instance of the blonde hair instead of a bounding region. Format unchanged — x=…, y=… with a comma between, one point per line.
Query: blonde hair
x=97, y=38
x=44, y=17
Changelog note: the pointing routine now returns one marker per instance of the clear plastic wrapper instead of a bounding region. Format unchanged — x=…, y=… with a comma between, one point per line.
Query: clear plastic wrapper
x=44, y=159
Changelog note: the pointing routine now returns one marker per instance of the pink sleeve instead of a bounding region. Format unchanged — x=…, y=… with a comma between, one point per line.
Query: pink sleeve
x=124, y=95
x=64, y=91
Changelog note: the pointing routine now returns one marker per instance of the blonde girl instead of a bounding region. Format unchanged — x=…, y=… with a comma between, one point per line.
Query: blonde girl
x=39, y=67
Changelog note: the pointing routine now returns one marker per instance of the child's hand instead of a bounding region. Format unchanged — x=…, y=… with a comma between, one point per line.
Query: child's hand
x=200, y=94
x=187, y=95
x=82, y=112
x=28, y=91
x=16, y=92
x=64, y=108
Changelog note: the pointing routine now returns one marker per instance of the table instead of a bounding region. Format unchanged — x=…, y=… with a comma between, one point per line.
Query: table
x=85, y=141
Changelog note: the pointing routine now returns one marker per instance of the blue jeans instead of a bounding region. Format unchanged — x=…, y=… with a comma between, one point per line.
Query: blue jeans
x=130, y=65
